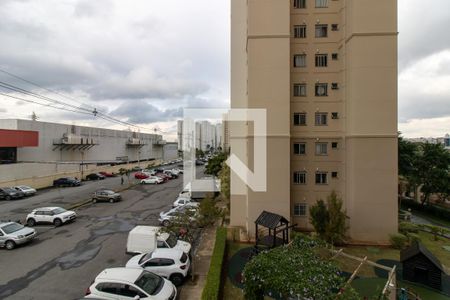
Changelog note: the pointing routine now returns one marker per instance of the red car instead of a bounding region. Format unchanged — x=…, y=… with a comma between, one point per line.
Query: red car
x=163, y=176
x=107, y=174
x=140, y=175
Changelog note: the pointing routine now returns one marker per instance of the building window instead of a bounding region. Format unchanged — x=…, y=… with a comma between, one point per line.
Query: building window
x=300, y=31
x=321, y=90
x=334, y=27
x=299, y=148
x=300, y=119
x=321, y=3
x=334, y=56
x=300, y=177
x=300, y=209
x=334, y=174
x=321, y=148
x=334, y=115
x=334, y=86
x=321, y=31
x=321, y=178
x=299, y=3
x=300, y=90
x=334, y=145
x=321, y=60
x=300, y=60
x=321, y=119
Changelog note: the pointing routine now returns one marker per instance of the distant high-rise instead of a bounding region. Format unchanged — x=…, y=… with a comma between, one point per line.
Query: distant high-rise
x=326, y=71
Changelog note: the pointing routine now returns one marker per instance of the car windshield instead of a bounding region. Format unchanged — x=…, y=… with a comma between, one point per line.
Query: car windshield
x=24, y=187
x=109, y=192
x=171, y=241
x=145, y=257
x=150, y=283
x=69, y=178
x=58, y=211
x=10, y=228
x=9, y=190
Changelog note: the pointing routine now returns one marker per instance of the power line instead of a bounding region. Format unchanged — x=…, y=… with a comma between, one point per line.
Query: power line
x=76, y=109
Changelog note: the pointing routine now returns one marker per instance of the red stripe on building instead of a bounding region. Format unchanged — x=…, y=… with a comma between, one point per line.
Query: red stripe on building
x=18, y=138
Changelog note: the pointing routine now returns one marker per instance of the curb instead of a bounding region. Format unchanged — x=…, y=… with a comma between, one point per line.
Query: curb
x=88, y=201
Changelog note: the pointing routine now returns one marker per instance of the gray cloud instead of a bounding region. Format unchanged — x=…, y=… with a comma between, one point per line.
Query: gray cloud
x=143, y=112
x=424, y=106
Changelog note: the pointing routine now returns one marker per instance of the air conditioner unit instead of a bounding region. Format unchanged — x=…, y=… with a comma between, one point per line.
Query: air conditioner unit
x=134, y=141
x=334, y=115
x=70, y=139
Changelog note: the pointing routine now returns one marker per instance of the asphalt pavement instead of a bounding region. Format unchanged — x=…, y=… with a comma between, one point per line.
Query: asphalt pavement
x=62, y=262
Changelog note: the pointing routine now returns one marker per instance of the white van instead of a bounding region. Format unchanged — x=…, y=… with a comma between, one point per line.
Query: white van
x=145, y=239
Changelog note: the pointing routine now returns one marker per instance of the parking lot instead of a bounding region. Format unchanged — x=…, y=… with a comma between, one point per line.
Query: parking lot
x=62, y=262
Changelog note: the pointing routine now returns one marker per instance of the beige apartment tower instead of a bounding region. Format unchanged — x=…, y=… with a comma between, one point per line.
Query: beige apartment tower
x=326, y=71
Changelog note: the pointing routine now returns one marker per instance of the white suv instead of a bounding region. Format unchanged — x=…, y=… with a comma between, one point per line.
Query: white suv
x=50, y=215
x=184, y=201
x=130, y=284
x=169, y=263
x=152, y=180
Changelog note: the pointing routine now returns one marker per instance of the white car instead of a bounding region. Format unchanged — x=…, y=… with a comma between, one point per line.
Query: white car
x=152, y=180
x=176, y=171
x=130, y=284
x=50, y=215
x=184, y=201
x=169, y=263
x=166, y=218
x=28, y=191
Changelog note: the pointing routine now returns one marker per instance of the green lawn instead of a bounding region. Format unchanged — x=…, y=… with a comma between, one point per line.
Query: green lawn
x=229, y=291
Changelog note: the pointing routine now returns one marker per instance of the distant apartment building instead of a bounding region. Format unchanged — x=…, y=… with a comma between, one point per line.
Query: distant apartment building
x=326, y=71
x=445, y=140
x=207, y=135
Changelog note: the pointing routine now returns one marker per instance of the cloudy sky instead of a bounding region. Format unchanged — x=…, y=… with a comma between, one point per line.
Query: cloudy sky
x=144, y=62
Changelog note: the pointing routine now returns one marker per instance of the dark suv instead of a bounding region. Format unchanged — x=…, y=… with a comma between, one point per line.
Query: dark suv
x=9, y=193
x=66, y=181
x=106, y=195
x=95, y=176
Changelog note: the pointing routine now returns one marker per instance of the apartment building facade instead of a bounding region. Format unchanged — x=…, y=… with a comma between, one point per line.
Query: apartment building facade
x=326, y=71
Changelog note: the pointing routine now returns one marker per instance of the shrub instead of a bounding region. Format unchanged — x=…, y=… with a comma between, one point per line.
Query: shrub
x=208, y=212
x=436, y=211
x=407, y=227
x=211, y=291
x=398, y=240
x=413, y=238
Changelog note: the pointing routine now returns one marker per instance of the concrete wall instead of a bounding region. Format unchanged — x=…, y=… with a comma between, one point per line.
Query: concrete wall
x=170, y=151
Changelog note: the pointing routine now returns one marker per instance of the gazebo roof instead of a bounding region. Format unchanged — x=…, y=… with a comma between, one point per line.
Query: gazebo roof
x=270, y=220
x=417, y=248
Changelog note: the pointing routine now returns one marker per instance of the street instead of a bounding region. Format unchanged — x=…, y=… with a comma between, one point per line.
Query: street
x=62, y=262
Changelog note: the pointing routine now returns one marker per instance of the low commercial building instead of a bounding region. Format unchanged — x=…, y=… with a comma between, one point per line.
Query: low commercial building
x=35, y=152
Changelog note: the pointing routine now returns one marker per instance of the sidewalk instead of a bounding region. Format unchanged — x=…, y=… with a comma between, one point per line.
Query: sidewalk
x=192, y=290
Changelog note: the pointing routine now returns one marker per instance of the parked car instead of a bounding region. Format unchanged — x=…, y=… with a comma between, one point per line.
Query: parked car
x=184, y=201
x=28, y=191
x=95, y=176
x=136, y=168
x=66, y=181
x=144, y=239
x=158, y=170
x=170, y=174
x=50, y=215
x=164, y=176
x=199, y=163
x=13, y=234
x=106, y=195
x=107, y=174
x=166, y=218
x=10, y=193
x=140, y=175
x=152, y=180
x=130, y=283
x=172, y=264
x=177, y=171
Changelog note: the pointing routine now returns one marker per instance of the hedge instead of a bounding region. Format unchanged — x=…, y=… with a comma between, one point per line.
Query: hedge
x=428, y=209
x=211, y=290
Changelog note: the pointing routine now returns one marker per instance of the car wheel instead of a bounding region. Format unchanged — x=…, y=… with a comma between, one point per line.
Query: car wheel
x=166, y=223
x=10, y=245
x=177, y=279
x=57, y=222
x=31, y=222
x=94, y=200
x=111, y=200
x=7, y=198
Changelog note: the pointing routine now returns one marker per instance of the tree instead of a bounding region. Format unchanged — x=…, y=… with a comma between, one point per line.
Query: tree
x=224, y=176
x=329, y=220
x=407, y=158
x=199, y=153
x=433, y=170
x=215, y=164
x=292, y=271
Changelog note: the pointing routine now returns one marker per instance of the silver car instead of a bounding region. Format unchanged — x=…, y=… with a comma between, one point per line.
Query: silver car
x=13, y=234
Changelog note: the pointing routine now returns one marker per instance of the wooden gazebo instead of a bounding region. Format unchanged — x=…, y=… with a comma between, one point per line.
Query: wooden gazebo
x=276, y=227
